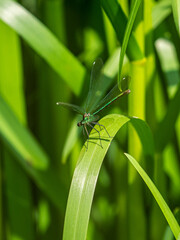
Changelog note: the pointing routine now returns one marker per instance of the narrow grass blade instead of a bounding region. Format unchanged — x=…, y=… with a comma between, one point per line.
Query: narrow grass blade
x=85, y=178
x=44, y=43
x=119, y=22
x=128, y=30
x=162, y=204
x=176, y=14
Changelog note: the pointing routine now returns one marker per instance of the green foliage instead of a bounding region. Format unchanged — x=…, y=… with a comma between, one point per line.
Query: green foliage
x=50, y=188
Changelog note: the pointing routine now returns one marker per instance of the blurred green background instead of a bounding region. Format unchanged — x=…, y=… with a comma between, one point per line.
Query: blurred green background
x=47, y=49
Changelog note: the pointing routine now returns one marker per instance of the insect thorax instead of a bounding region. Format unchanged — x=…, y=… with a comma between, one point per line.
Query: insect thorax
x=87, y=118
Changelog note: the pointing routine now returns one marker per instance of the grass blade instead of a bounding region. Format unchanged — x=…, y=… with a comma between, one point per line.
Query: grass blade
x=162, y=204
x=176, y=14
x=44, y=43
x=119, y=22
x=128, y=30
x=85, y=178
x=87, y=171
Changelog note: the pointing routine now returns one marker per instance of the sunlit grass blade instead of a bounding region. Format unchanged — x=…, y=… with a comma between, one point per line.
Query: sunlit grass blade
x=44, y=43
x=127, y=33
x=176, y=14
x=162, y=204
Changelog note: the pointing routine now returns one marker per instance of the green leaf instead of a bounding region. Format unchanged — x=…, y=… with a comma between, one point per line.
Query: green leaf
x=19, y=139
x=128, y=30
x=176, y=14
x=119, y=22
x=162, y=204
x=44, y=43
x=85, y=178
x=87, y=171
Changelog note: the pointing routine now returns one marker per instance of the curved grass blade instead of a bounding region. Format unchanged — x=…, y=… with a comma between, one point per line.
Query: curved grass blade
x=85, y=178
x=73, y=107
x=87, y=171
x=162, y=204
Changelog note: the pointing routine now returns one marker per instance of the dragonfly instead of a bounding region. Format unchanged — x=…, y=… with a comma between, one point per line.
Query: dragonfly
x=95, y=101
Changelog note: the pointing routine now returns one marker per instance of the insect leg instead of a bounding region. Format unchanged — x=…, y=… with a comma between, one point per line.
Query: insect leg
x=96, y=123
x=96, y=131
x=84, y=127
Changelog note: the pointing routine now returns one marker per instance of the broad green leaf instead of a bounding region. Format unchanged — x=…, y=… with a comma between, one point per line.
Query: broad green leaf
x=176, y=14
x=87, y=171
x=44, y=43
x=119, y=22
x=85, y=178
x=162, y=204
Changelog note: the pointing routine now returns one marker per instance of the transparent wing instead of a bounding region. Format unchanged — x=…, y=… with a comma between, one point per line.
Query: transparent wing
x=95, y=85
x=113, y=95
x=73, y=107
